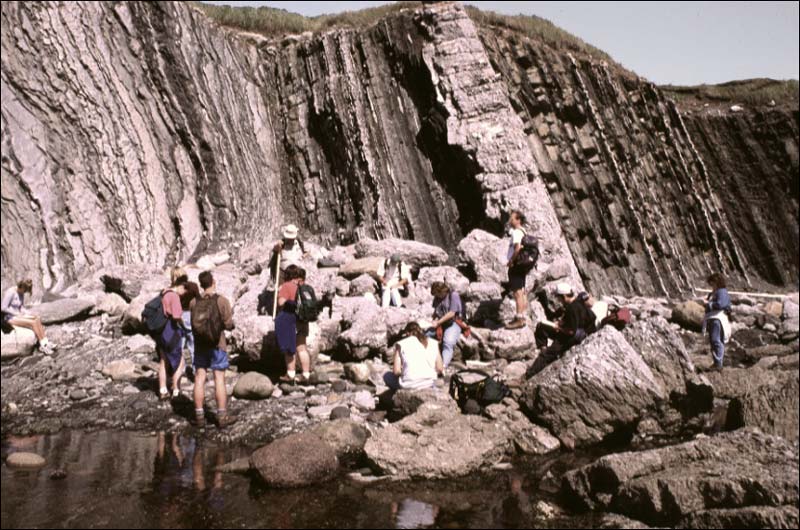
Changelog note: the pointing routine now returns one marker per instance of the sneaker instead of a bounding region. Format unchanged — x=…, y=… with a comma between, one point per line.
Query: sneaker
x=46, y=350
x=517, y=323
x=225, y=420
x=176, y=393
x=163, y=396
x=286, y=379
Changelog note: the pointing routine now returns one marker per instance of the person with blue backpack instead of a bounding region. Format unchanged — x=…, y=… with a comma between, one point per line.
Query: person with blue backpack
x=523, y=252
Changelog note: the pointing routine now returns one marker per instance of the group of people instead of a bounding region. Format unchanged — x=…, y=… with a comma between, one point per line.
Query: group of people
x=196, y=318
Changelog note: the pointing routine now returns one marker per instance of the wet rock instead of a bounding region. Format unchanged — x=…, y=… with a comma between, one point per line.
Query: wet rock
x=297, y=460
x=414, y=253
x=345, y=436
x=120, y=370
x=436, y=442
x=750, y=473
x=19, y=343
x=688, y=315
x=614, y=520
x=64, y=310
x=253, y=385
x=112, y=304
x=240, y=465
x=406, y=402
x=772, y=406
x=357, y=267
x=340, y=412
x=23, y=459
x=357, y=372
x=598, y=387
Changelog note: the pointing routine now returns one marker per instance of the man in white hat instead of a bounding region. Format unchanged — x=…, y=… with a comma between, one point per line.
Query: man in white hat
x=291, y=248
x=570, y=330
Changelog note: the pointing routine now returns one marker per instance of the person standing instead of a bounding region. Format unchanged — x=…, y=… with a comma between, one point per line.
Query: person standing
x=302, y=337
x=187, y=342
x=516, y=272
x=395, y=276
x=169, y=339
x=715, y=320
x=15, y=315
x=445, y=327
x=286, y=323
x=290, y=249
x=211, y=316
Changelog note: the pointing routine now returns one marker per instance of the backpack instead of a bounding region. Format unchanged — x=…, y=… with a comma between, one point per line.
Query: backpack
x=618, y=317
x=153, y=316
x=529, y=253
x=266, y=301
x=308, y=307
x=207, y=325
x=485, y=391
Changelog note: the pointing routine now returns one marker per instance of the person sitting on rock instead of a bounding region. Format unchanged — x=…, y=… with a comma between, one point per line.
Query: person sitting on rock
x=169, y=340
x=516, y=273
x=447, y=312
x=290, y=249
x=592, y=318
x=565, y=333
x=211, y=354
x=395, y=277
x=286, y=325
x=15, y=315
x=417, y=361
x=715, y=321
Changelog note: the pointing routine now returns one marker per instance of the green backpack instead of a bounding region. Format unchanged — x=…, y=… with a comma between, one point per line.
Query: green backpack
x=308, y=307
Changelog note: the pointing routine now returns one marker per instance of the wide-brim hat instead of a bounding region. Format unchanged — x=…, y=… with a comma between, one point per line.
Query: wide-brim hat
x=290, y=232
x=563, y=289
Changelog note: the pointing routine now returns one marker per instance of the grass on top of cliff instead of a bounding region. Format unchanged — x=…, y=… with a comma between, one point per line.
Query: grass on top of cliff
x=274, y=22
x=747, y=91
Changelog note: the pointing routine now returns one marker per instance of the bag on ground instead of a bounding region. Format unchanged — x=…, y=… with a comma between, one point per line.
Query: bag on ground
x=618, y=317
x=207, y=325
x=477, y=385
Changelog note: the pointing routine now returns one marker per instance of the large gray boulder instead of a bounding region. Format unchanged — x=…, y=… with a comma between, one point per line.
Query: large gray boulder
x=344, y=436
x=688, y=315
x=19, y=343
x=357, y=267
x=436, y=442
x=112, y=304
x=773, y=407
x=445, y=273
x=598, y=387
x=509, y=344
x=742, y=479
x=253, y=385
x=64, y=310
x=414, y=253
x=790, y=328
x=364, y=328
x=297, y=460
x=485, y=255
x=406, y=402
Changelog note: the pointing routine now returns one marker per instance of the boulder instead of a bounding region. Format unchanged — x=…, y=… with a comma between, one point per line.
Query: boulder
x=449, y=275
x=253, y=385
x=436, y=442
x=406, y=402
x=364, y=284
x=791, y=319
x=357, y=267
x=19, y=343
x=344, y=436
x=774, y=308
x=357, y=372
x=736, y=382
x=598, y=388
x=364, y=400
x=773, y=406
x=365, y=332
x=121, y=370
x=297, y=460
x=689, y=315
x=64, y=310
x=22, y=459
x=509, y=344
x=484, y=254
x=414, y=253
x=112, y=304
x=741, y=479
x=140, y=344
x=340, y=412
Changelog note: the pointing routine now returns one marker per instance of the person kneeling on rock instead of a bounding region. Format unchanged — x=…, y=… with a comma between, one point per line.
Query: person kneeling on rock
x=565, y=333
x=417, y=361
x=211, y=316
x=14, y=314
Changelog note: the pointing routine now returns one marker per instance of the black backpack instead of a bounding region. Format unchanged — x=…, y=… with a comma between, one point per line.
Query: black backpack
x=153, y=316
x=266, y=301
x=207, y=324
x=529, y=253
x=308, y=307
x=485, y=391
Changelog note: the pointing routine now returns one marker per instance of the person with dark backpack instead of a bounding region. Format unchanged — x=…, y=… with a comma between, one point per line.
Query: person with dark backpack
x=211, y=317
x=307, y=309
x=523, y=253
x=163, y=318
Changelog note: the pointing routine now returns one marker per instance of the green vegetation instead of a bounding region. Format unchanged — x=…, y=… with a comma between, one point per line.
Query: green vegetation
x=746, y=91
x=273, y=22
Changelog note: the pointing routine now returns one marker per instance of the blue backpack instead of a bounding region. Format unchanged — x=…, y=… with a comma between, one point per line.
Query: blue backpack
x=153, y=316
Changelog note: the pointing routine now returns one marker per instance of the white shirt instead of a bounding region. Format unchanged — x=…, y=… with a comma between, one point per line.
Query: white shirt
x=419, y=363
x=515, y=238
x=13, y=302
x=291, y=255
x=394, y=274
x=600, y=310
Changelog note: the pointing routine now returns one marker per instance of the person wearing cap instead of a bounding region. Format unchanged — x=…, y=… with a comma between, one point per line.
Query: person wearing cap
x=394, y=276
x=290, y=248
x=567, y=332
x=15, y=315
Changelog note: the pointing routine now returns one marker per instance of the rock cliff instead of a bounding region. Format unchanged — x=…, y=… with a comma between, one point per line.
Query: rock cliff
x=144, y=132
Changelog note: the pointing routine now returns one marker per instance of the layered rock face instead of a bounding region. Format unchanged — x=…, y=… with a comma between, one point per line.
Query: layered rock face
x=142, y=132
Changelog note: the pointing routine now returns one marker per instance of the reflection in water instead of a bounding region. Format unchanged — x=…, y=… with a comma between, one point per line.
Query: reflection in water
x=169, y=480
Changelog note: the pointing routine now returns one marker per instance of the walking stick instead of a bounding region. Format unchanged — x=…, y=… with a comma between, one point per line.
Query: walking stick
x=277, y=277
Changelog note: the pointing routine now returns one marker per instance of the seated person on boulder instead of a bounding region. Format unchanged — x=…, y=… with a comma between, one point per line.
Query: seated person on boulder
x=566, y=333
x=417, y=361
x=15, y=315
x=395, y=278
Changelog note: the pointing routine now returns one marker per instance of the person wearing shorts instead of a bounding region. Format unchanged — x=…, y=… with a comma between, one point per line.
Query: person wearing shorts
x=516, y=273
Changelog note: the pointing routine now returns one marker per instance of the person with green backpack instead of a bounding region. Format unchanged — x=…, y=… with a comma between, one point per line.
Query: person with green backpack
x=211, y=317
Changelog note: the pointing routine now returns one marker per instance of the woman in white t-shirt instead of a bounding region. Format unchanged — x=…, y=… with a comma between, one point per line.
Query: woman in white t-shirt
x=417, y=362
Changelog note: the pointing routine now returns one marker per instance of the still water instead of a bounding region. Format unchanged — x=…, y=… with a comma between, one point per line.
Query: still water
x=167, y=480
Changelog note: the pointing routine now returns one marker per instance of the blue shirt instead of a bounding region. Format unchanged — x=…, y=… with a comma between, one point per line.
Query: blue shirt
x=719, y=300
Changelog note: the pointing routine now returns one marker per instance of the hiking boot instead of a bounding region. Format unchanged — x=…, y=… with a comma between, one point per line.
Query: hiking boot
x=517, y=323
x=286, y=379
x=225, y=420
x=199, y=421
